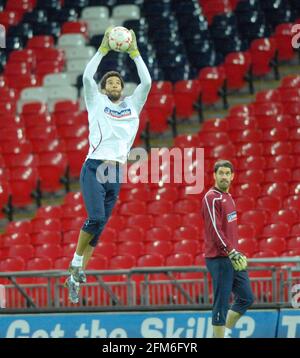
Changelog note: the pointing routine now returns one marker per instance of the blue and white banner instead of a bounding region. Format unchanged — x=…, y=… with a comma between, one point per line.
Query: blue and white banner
x=289, y=324
x=184, y=324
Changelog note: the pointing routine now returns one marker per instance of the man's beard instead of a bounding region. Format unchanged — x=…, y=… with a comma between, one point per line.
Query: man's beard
x=114, y=97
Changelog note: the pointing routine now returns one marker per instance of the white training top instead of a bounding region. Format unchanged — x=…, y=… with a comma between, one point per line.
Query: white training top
x=113, y=126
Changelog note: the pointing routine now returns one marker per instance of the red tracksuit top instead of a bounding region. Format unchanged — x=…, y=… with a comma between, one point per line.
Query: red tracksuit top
x=220, y=222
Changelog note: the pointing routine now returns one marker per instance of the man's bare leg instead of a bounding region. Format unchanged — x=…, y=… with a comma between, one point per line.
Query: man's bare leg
x=231, y=319
x=88, y=252
x=83, y=241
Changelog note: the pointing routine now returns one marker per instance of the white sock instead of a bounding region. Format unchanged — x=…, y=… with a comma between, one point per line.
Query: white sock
x=228, y=332
x=77, y=260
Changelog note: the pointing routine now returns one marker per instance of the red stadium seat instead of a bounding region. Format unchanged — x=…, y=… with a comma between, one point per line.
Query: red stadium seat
x=193, y=219
x=17, y=69
x=211, y=80
x=257, y=218
x=179, y=260
x=279, y=190
x=249, y=190
x=159, y=108
x=73, y=223
x=107, y=249
x=186, y=206
x=191, y=247
x=212, y=139
x=8, y=18
x=247, y=246
x=40, y=42
x=288, y=216
x=292, y=202
x=150, y=260
x=158, y=234
x=190, y=232
x=135, y=194
x=52, y=168
x=269, y=203
x=278, y=230
x=131, y=234
x=69, y=249
x=39, y=264
x=272, y=95
x=34, y=108
x=24, y=251
x=277, y=175
x=262, y=52
x=76, y=149
x=70, y=237
x=29, y=80
x=277, y=148
x=133, y=248
x=121, y=262
x=276, y=244
x=293, y=243
x=246, y=136
x=276, y=121
x=215, y=125
x=283, y=37
x=161, y=87
x=73, y=131
x=133, y=208
x=295, y=230
x=20, y=160
x=41, y=224
x=17, y=238
x=244, y=204
x=164, y=248
x=186, y=141
x=75, y=27
x=23, y=183
x=98, y=263
x=46, y=237
x=236, y=66
x=5, y=192
x=15, y=227
x=170, y=220
x=61, y=263
x=275, y=135
x=169, y=193
x=41, y=132
x=49, y=211
x=265, y=253
x=249, y=149
x=12, y=264
x=159, y=207
x=246, y=231
x=254, y=176
x=51, y=251
x=145, y=222
x=186, y=94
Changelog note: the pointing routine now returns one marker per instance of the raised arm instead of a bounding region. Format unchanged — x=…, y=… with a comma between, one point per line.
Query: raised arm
x=140, y=94
x=89, y=84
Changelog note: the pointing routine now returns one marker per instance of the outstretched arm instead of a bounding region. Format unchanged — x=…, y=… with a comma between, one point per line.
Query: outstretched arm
x=140, y=94
x=89, y=84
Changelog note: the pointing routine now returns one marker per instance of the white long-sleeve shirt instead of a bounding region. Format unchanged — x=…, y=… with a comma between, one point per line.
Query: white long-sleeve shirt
x=113, y=126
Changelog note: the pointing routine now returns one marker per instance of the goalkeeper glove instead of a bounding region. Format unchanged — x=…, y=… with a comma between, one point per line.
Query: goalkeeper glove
x=133, y=49
x=238, y=260
x=104, y=47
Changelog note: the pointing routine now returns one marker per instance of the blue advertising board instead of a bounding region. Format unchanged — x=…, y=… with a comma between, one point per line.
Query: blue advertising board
x=183, y=324
x=289, y=323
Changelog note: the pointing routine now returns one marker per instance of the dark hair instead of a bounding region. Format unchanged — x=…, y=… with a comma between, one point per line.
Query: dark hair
x=110, y=74
x=223, y=163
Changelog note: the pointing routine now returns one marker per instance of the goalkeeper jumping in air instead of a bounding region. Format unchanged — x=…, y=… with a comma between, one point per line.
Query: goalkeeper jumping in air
x=113, y=124
x=226, y=265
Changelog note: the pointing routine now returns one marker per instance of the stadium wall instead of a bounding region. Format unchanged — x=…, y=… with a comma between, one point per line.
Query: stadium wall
x=272, y=323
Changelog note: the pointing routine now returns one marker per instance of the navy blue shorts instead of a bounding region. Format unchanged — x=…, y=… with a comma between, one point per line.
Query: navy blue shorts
x=100, y=185
x=226, y=281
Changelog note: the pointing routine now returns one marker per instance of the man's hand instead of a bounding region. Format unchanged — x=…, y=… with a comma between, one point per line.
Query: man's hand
x=104, y=47
x=133, y=49
x=238, y=260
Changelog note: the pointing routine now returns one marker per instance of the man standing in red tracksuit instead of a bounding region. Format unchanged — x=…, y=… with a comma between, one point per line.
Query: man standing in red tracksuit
x=226, y=265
